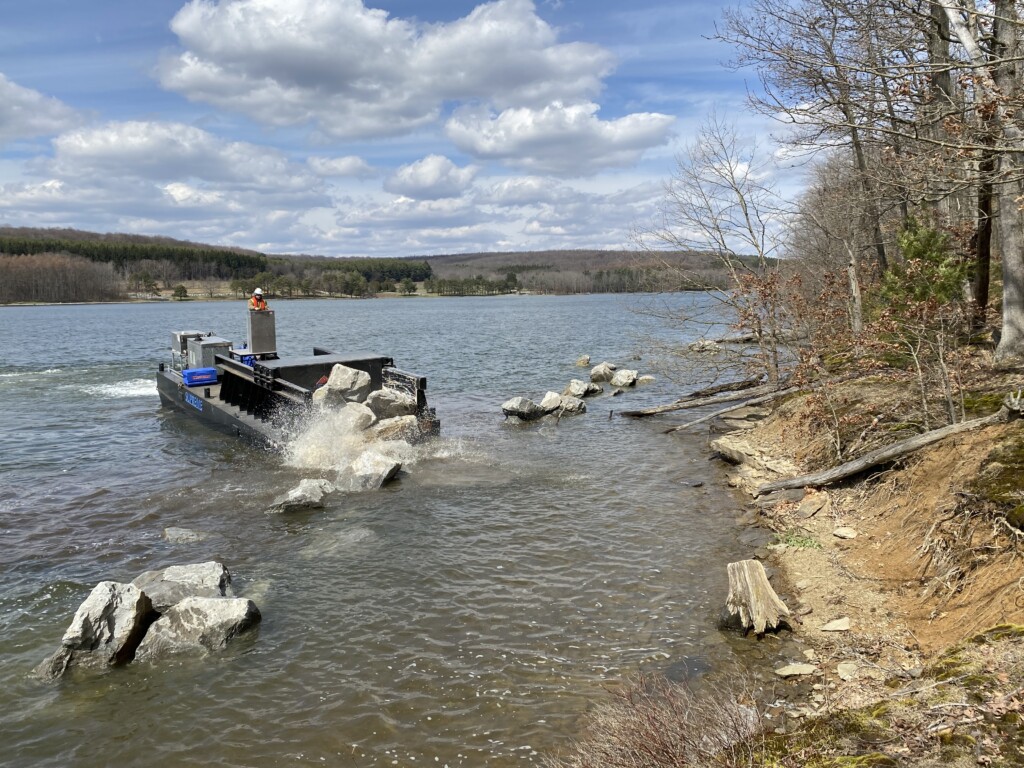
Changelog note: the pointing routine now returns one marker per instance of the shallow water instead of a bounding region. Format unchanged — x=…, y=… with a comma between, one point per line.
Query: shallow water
x=464, y=615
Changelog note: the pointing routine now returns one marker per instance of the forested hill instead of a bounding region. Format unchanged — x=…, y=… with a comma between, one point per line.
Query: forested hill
x=57, y=265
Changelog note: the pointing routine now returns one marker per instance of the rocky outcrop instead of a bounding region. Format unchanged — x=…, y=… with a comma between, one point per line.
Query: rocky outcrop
x=308, y=494
x=198, y=624
x=106, y=630
x=372, y=470
x=171, y=585
x=522, y=408
x=602, y=372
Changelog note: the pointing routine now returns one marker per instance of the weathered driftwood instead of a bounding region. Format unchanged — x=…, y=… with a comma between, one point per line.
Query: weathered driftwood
x=698, y=402
x=729, y=386
x=744, y=404
x=884, y=455
x=752, y=597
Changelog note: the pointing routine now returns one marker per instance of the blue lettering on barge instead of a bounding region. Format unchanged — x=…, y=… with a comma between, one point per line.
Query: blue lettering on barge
x=194, y=400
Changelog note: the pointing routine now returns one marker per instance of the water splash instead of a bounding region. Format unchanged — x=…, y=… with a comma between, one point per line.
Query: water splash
x=327, y=440
x=131, y=388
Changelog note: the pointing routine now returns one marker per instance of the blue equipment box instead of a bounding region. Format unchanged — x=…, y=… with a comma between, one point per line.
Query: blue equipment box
x=195, y=376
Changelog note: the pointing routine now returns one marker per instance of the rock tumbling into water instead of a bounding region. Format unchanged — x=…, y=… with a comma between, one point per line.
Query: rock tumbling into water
x=198, y=624
x=344, y=385
x=391, y=404
x=105, y=632
x=372, y=470
x=180, y=608
x=405, y=428
x=308, y=494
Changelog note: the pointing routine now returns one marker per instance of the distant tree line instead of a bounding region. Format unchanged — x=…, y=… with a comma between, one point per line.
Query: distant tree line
x=57, y=277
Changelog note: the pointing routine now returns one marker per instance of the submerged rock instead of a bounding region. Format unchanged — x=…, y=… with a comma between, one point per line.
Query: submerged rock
x=184, y=535
x=173, y=584
x=583, y=361
x=198, y=624
x=105, y=631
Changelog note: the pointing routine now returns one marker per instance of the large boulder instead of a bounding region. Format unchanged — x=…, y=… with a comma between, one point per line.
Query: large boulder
x=105, y=632
x=624, y=378
x=522, y=408
x=602, y=372
x=171, y=585
x=552, y=402
x=358, y=417
x=198, y=624
x=344, y=385
x=390, y=404
x=579, y=388
x=308, y=494
x=372, y=470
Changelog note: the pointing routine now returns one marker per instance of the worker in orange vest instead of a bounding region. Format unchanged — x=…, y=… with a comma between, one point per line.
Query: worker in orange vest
x=257, y=301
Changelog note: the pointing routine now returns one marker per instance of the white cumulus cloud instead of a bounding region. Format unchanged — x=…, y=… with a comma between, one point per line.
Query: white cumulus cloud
x=356, y=72
x=432, y=178
x=558, y=139
x=348, y=166
x=26, y=114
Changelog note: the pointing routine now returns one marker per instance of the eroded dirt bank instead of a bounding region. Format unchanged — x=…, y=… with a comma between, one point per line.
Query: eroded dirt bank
x=920, y=560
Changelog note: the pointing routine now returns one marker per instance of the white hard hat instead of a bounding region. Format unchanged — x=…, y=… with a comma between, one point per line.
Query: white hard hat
x=258, y=291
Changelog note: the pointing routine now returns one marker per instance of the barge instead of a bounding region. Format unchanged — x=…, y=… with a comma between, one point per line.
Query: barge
x=254, y=393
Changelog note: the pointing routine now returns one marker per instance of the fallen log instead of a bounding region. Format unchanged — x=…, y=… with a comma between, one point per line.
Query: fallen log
x=731, y=386
x=744, y=404
x=752, y=598
x=699, y=402
x=884, y=455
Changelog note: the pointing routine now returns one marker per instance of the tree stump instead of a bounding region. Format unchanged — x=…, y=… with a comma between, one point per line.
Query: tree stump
x=752, y=597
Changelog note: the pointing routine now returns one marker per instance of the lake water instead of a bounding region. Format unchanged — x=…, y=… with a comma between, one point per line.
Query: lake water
x=465, y=615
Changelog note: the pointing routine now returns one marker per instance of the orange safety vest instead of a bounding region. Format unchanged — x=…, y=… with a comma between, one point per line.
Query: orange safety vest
x=257, y=302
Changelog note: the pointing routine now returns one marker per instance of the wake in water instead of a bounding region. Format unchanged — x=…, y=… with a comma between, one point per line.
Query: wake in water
x=131, y=388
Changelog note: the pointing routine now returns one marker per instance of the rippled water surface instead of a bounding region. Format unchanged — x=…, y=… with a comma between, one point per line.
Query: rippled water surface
x=464, y=615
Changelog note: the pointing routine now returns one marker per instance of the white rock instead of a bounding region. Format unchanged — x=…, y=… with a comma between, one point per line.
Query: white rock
x=171, y=585
x=358, y=417
x=573, y=406
x=198, y=624
x=796, y=670
x=624, y=378
x=398, y=428
x=844, y=532
x=308, y=494
x=372, y=470
x=847, y=670
x=839, y=625
x=552, y=402
x=579, y=388
x=522, y=408
x=602, y=372
x=390, y=403
x=645, y=379
x=351, y=384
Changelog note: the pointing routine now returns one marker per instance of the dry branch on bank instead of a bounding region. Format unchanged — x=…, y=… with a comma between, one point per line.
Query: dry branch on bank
x=738, y=406
x=890, y=453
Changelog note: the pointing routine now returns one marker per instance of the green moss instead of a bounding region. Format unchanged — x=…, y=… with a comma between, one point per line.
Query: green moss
x=982, y=403
x=798, y=541
x=1001, y=480
x=999, y=632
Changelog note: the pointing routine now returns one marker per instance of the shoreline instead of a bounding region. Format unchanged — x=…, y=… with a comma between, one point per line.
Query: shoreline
x=871, y=620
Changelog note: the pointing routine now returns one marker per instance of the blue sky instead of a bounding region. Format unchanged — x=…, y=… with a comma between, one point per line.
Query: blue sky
x=352, y=127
